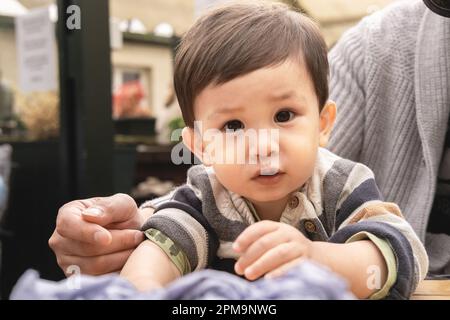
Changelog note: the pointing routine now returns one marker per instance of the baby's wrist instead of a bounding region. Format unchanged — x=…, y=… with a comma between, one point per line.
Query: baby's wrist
x=318, y=252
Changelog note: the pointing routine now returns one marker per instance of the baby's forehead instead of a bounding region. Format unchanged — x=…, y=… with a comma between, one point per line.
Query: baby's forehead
x=288, y=80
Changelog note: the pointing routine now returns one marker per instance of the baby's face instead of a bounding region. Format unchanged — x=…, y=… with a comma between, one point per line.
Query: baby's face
x=261, y=131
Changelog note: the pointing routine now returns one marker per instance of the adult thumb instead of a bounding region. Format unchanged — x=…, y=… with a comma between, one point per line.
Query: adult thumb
x=110, y=210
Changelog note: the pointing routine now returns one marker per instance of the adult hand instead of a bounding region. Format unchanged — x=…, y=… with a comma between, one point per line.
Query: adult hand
x=96, y=235
x=270, y=248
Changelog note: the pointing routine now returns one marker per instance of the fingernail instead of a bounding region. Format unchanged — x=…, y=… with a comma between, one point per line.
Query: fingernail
x=237, y=268
x=93, y=211
x=138, y=237
x=100, y=236
x=236, y=247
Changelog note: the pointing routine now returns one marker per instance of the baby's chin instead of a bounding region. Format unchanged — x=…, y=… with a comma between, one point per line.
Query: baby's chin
x=267, y=195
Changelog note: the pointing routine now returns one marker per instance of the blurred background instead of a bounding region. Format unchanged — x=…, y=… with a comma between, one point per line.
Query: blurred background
x=87, y=108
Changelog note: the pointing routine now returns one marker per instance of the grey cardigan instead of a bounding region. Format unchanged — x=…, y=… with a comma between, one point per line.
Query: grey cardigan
x=390, y=77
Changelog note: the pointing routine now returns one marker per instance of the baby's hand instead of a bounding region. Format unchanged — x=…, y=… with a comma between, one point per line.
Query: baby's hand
x=269, y=248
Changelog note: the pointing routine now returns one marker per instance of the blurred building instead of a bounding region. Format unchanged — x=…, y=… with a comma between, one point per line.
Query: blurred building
x=149, y=58
x=336, y=16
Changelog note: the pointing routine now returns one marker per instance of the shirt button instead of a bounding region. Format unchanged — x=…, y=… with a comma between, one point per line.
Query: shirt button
x=310, y=226
x=293, y=202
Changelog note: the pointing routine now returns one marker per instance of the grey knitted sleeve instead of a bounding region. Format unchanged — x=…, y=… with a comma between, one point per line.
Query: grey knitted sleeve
x=347, y=83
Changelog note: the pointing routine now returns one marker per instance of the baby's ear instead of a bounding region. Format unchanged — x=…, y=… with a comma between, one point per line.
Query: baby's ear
x=193, y=142
x=327, y=118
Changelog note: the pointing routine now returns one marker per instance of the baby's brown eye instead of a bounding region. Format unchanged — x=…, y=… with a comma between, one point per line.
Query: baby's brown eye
x=233, y=125
x=284, y=116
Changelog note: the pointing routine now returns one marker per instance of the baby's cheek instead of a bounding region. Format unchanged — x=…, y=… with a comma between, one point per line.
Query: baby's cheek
x=223, y=171
x=301, y=156
x=230, y=176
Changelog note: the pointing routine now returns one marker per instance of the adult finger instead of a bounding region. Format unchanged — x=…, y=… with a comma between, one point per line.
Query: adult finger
x=117, y=209
x=97, y=265
x=121, y=240
x=70, y=226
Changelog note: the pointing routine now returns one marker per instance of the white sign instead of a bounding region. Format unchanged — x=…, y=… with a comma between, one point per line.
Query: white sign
x=35, y=40
x=202, y=5
x=115, y=35
x=11, y=8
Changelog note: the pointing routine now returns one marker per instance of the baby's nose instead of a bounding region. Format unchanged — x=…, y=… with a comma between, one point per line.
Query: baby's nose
x=268, y=142
x=266, y=146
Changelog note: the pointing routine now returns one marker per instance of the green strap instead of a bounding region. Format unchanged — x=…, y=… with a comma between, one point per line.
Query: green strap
x=173, y=251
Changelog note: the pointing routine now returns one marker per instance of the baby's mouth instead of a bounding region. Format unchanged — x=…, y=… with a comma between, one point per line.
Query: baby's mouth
x=268, y=173
x=268, y=179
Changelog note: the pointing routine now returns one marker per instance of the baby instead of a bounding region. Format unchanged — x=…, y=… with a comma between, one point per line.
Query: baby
x=251, y=81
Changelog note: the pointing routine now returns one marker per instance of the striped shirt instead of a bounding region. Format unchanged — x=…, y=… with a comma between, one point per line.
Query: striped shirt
x=339, y=202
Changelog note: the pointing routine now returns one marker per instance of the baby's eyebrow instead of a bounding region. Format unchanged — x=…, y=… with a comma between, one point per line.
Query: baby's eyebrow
x=282, y=96
x=286, y=95
x=225, y=110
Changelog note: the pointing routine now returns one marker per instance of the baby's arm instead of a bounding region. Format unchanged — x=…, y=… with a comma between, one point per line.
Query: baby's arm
x=356, y=262
x=149, y=267
x=271, y=248
x=361, y=214
x=180, y=240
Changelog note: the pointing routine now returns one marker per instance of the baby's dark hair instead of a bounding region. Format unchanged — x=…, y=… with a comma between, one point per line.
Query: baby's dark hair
x=237, y=38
